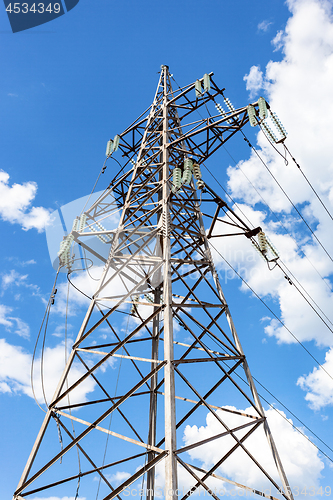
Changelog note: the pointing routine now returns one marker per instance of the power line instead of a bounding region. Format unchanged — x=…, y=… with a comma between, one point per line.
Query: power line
x=288, y=198
x=275, y=215
x=272, y=312
x=307, y=293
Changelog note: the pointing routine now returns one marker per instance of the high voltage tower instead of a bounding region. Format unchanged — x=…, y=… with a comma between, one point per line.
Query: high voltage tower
x=159, y=311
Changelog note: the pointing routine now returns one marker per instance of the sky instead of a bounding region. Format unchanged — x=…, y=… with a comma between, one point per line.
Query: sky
x=67, y=86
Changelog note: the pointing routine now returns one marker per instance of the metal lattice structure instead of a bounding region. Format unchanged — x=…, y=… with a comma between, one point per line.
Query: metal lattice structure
x=178, y=347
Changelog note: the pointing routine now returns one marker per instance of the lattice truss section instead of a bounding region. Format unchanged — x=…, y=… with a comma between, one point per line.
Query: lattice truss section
x=158, y=311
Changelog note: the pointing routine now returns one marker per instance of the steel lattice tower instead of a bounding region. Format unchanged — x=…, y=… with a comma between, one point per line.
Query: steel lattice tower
x=179, y=349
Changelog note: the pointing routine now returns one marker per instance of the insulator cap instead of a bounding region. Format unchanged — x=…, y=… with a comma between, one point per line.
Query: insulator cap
x=263, y=112
x=251, y=113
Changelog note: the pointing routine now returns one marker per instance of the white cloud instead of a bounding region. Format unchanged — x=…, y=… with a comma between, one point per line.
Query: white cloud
x=264, y=25
x=299, y=457
x=254, y=81
x=15, y=372
x=278, y=40
x=13, y=277
x=13, y=324
x=318, y=385
x=15, y=204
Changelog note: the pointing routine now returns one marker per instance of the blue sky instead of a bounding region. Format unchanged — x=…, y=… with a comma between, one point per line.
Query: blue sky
x=68, y=86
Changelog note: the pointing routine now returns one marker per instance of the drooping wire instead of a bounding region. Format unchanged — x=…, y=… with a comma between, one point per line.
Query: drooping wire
x=290, y=272
x=300, y=169
x=305, y=292
x=93, y=189
x=288, y=198
x=277, y=218
x=47, y=312
x=272, y=312
x=42, y=357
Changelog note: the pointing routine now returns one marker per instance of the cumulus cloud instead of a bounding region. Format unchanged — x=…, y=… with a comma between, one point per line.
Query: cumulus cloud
x=318, y=385
x=254, y=81
x=300, y=459
x=15, y=371
x=12, y=323
x=15, y=204
x=278, y=40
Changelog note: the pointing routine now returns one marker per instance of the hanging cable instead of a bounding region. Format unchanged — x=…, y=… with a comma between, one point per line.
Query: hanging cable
x=272, y=312
x=278, y=220
x=288, y=198
x=309, y=183
x=93, y=189
x=294, y=277
x=314, y=302
x=47, y=312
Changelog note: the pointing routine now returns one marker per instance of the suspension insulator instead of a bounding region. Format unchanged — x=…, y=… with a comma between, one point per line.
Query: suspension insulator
x=206, y=82
x=176, y=179
x=198, y=89
x=75, y=224
x=229, y=104
x=109, y=147
x=263, y=113
x=274, y=252
x=262, y=242
x=200, y=184
x=269, y=132
x=251, y=113
x=103, y=237
x=197, y=171
x=279, y=125
x=82, y=222
x=134, y=308
x=65, y=250
x=115, y=143
x=221, y=111
x=188, y=168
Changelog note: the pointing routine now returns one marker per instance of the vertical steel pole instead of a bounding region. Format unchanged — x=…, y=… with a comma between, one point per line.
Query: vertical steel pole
x=169, y=378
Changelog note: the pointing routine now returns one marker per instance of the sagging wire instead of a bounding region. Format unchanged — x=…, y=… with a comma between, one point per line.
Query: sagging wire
x=46, y=314
x=307, y=180
x=272, y=312
x=285, y=274
x=88, y=297
x=278, y=219
x=288, y=198
x=87, y=268
x=94, y=187
x=298, y=166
